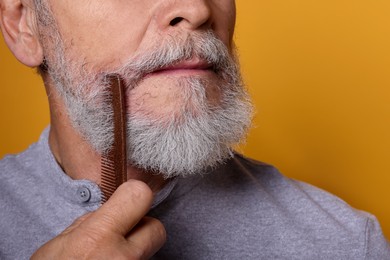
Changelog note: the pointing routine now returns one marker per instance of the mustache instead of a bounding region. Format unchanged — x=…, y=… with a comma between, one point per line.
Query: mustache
x=204, y=46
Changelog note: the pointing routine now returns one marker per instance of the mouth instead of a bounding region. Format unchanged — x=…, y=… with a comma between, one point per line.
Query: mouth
x=190, y=67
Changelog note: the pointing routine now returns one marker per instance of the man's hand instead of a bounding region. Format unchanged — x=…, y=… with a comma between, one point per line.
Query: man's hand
x=118, y=230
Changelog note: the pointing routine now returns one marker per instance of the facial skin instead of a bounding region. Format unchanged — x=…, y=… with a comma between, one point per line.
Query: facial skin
x=128, y=27
x=187, y=104
x=137, y=27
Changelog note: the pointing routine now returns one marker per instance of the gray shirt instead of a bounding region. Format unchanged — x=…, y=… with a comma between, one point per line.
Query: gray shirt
x=242, y=210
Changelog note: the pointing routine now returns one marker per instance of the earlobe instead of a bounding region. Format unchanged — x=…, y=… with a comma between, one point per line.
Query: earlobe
x=19, y=32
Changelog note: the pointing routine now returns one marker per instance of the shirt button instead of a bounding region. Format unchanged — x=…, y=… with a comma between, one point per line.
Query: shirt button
x=84, y=194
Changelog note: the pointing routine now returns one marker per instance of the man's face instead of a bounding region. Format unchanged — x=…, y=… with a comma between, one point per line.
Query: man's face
x=186, y=104
x=106, y=34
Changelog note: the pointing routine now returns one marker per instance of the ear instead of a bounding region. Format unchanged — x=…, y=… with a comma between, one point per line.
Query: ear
x=18, y=26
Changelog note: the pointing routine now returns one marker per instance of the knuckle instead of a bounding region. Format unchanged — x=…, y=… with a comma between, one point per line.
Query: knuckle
x=154, y=237
x=137, y=189
x=158, y=229
x=136, y=253
x=106, y=222
x=81, y=244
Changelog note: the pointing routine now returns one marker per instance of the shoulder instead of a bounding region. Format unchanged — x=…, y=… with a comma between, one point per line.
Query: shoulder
x=30, y=167
x=27, y=160
x=322, y=215
x=23, y=176
x=15, y=167
x=274, y=216
x=20, y=184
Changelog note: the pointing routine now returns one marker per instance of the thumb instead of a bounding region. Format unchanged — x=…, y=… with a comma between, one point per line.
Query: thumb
x=129, y=203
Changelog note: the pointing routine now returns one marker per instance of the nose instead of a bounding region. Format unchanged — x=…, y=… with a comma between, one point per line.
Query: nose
x=186, y=14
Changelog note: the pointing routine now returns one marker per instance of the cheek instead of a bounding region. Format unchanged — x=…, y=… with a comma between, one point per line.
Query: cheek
x=224, y=20
x=102, y=32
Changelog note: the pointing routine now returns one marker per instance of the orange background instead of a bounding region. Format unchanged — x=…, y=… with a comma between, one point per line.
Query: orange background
x=319, y=75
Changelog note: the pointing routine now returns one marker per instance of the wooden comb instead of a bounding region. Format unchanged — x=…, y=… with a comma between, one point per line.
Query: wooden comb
x=114, y=162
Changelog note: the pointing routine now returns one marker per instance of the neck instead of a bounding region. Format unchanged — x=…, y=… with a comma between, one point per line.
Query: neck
x=74, y=154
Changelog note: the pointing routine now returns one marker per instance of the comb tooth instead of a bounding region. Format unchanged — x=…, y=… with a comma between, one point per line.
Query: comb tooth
x=108, y=169
x=108, y=178
x=107, y=164
x=109, y=189
x=107, y=184
x=107, y=159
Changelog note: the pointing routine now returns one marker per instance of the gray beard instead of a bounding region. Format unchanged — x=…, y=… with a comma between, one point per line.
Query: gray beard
x=191, y=143
x=185, y=143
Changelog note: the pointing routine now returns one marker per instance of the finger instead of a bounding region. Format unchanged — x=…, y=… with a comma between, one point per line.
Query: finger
x=129, y=203
x=146, y=238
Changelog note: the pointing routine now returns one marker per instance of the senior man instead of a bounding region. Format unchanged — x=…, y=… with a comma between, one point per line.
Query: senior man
x=186, y=108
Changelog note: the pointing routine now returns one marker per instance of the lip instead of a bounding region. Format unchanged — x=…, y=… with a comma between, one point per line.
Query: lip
x=187, y=67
